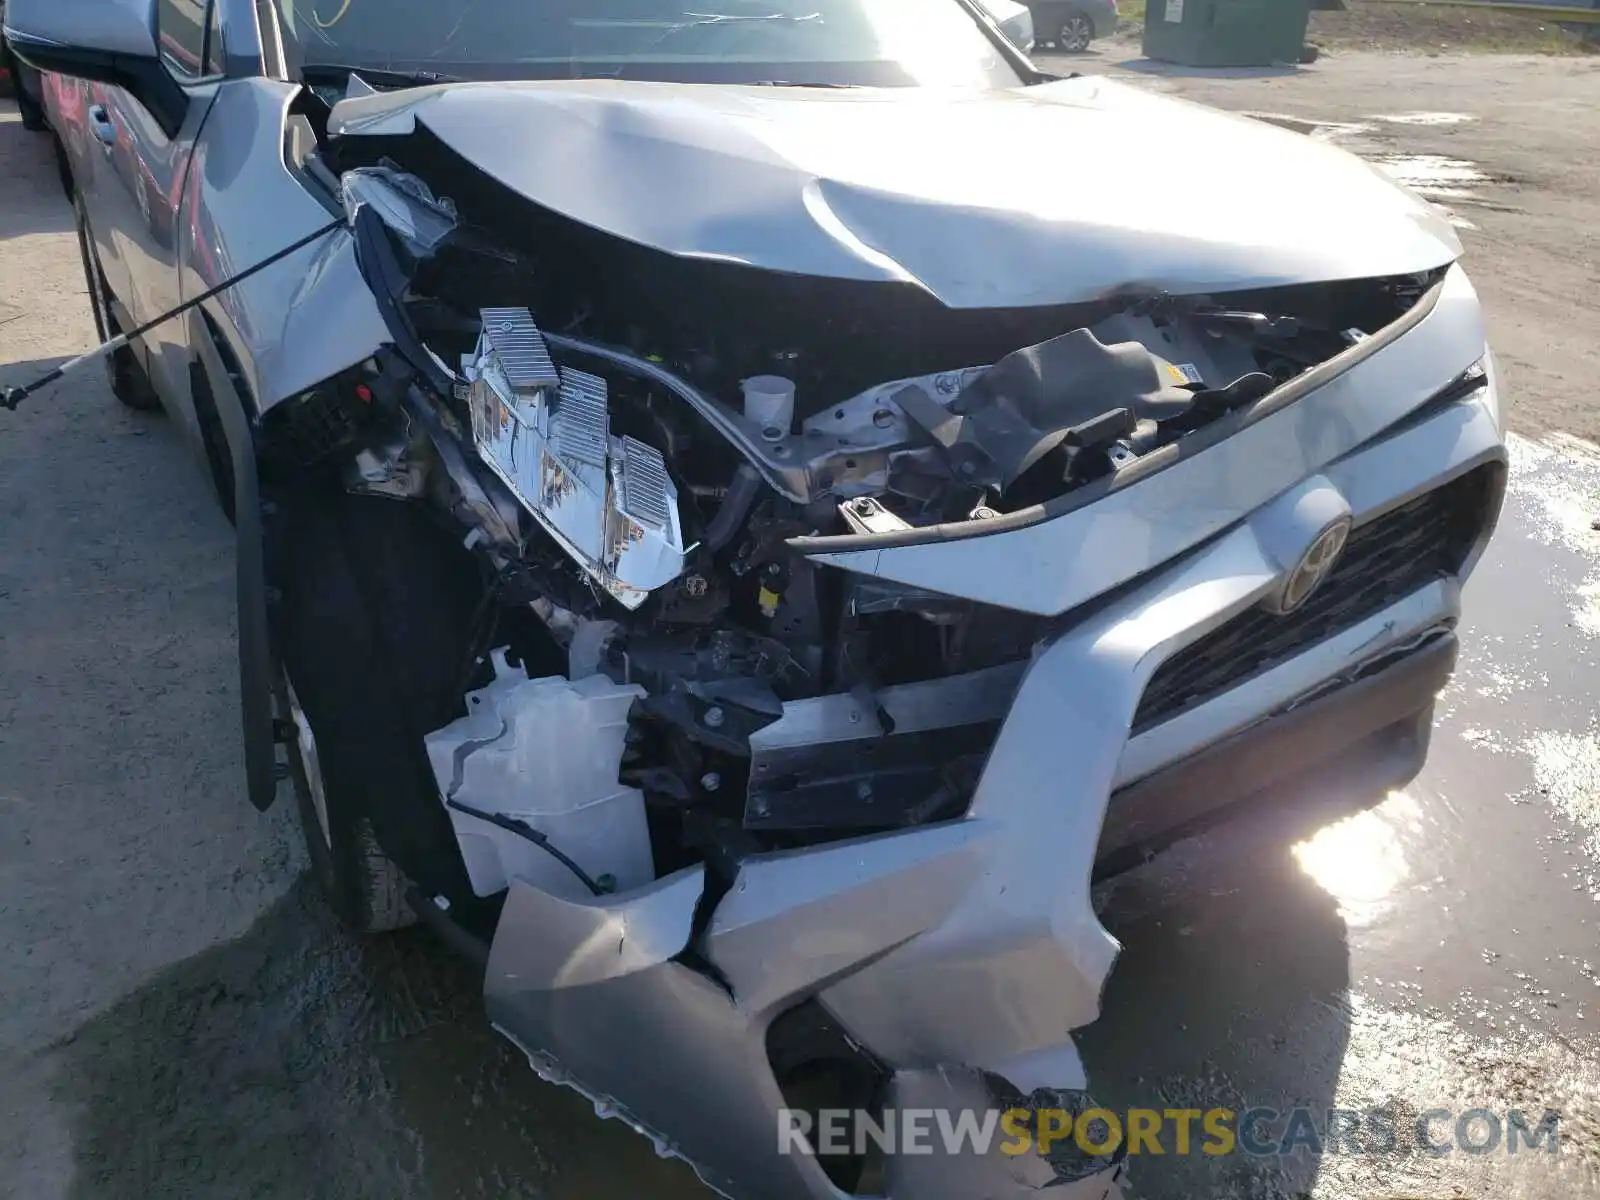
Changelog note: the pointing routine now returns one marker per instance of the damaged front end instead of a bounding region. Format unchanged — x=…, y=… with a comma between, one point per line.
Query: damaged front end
x=818, y=617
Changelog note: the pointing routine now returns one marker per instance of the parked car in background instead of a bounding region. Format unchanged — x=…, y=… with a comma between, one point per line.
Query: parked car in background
x=1015, y=21
x=1072, y=25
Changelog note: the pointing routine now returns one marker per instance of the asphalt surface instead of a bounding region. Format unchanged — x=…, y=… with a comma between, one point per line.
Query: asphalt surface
x=179, y=1018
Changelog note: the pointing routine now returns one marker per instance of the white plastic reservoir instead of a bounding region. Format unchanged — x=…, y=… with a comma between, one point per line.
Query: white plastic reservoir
x=544, y=751
x=769, y=402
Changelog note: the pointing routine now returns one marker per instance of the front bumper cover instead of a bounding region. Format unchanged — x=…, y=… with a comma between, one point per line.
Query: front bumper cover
x=970, y=948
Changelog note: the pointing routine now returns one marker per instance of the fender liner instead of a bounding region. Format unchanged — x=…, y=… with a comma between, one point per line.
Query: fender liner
x=257, y=665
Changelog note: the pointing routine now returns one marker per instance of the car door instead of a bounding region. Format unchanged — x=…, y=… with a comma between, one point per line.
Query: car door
x=139, y=191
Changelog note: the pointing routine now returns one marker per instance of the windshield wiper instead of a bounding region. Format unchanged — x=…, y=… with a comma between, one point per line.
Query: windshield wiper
x=800, y=84
x=377, y=76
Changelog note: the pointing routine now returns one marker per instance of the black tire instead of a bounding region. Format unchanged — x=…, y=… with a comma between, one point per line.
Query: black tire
x=362, y=884
x=124, y=375
x=372, y=617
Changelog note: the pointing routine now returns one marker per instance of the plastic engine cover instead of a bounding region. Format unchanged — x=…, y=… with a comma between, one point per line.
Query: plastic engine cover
x=544, y=751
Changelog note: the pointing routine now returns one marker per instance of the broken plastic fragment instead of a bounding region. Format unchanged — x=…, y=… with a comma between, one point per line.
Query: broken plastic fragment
x=403, y=201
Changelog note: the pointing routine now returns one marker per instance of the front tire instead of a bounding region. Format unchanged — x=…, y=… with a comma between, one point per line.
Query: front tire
x=124, y=375
x=362, y=884
x=372, y=615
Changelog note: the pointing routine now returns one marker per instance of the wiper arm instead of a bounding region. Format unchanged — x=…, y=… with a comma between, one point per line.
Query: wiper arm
x=378, y=76
x=797, y=84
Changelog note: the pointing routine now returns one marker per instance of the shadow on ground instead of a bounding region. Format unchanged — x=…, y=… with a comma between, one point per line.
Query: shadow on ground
x=1150, y=66
x=298, y=1062
x=1231, y=992
x=33, y=198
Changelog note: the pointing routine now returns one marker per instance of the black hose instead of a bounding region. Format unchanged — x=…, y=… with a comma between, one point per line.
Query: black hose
x=471, y=947
x=523, y=829
x=735, y=506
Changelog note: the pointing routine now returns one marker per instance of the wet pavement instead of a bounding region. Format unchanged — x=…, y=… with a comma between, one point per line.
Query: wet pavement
x=181, y=1018
x=1441, y=949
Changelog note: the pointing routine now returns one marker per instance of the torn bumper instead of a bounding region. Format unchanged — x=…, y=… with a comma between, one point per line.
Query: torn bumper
x=969, y=949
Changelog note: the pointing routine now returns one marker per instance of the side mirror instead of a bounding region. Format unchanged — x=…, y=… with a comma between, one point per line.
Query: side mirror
x=107, y=41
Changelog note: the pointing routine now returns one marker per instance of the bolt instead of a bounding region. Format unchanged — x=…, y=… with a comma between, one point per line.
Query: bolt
x=855, y=717
x=760, y=807
x=696, y=586
x=863, y=790
x=883, y=418
x=714, y=717
x=864, y=506
x=711, y=781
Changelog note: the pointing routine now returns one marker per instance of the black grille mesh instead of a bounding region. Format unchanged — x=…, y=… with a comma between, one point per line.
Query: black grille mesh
x=1384, y=560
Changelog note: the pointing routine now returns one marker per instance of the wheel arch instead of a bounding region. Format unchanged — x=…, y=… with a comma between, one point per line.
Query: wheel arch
x=221, y=408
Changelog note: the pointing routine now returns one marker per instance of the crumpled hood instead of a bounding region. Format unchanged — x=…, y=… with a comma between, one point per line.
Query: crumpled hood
x=1053, y=194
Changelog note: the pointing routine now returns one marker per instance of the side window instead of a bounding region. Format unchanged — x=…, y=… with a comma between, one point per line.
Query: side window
x=216, y=56
x=181, y=30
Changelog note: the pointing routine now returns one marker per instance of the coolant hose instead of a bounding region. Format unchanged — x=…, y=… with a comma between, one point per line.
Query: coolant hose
x=735, y=507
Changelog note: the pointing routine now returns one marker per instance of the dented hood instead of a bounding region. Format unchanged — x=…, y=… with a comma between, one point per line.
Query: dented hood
x=1052, y=194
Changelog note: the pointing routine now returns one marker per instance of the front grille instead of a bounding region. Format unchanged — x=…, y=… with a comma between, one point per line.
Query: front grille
x=1384, y=559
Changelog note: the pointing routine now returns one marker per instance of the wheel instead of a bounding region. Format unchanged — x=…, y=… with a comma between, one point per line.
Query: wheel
x=1075, y=34
x=361, y=883
x=373, y=619
x=124, y=375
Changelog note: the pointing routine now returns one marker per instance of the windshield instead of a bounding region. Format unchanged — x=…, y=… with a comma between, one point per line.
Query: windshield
x=931, y=43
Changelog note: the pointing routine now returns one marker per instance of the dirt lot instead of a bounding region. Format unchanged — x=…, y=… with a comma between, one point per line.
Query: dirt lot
x=1420, y=29
x=1437, y=29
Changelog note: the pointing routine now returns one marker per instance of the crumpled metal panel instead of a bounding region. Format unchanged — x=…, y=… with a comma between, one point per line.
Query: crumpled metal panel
x=957, y=192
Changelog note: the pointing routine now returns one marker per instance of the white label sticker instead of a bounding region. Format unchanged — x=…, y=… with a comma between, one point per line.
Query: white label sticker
x=1175, y=11
x=1191, y=372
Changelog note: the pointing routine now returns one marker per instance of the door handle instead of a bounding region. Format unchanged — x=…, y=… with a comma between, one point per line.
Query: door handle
x=100, y=122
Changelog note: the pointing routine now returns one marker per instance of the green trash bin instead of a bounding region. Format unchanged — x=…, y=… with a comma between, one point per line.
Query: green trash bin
x=1226, y=33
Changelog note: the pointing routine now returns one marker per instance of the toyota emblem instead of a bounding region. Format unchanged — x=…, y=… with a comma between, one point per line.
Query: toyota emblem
x=1315, y=565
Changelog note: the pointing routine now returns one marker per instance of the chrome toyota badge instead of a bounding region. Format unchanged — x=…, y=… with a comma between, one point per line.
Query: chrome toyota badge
x=1315, y=565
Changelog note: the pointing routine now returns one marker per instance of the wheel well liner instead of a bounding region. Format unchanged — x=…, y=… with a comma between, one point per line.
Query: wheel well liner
x=257, y=667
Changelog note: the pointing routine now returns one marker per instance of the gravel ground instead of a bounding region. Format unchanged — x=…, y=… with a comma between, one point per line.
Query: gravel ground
x=1418, y=28
x=1436, y=29
x=181, y=1019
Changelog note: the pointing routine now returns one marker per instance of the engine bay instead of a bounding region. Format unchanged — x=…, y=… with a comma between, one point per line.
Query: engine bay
x=630, y=444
